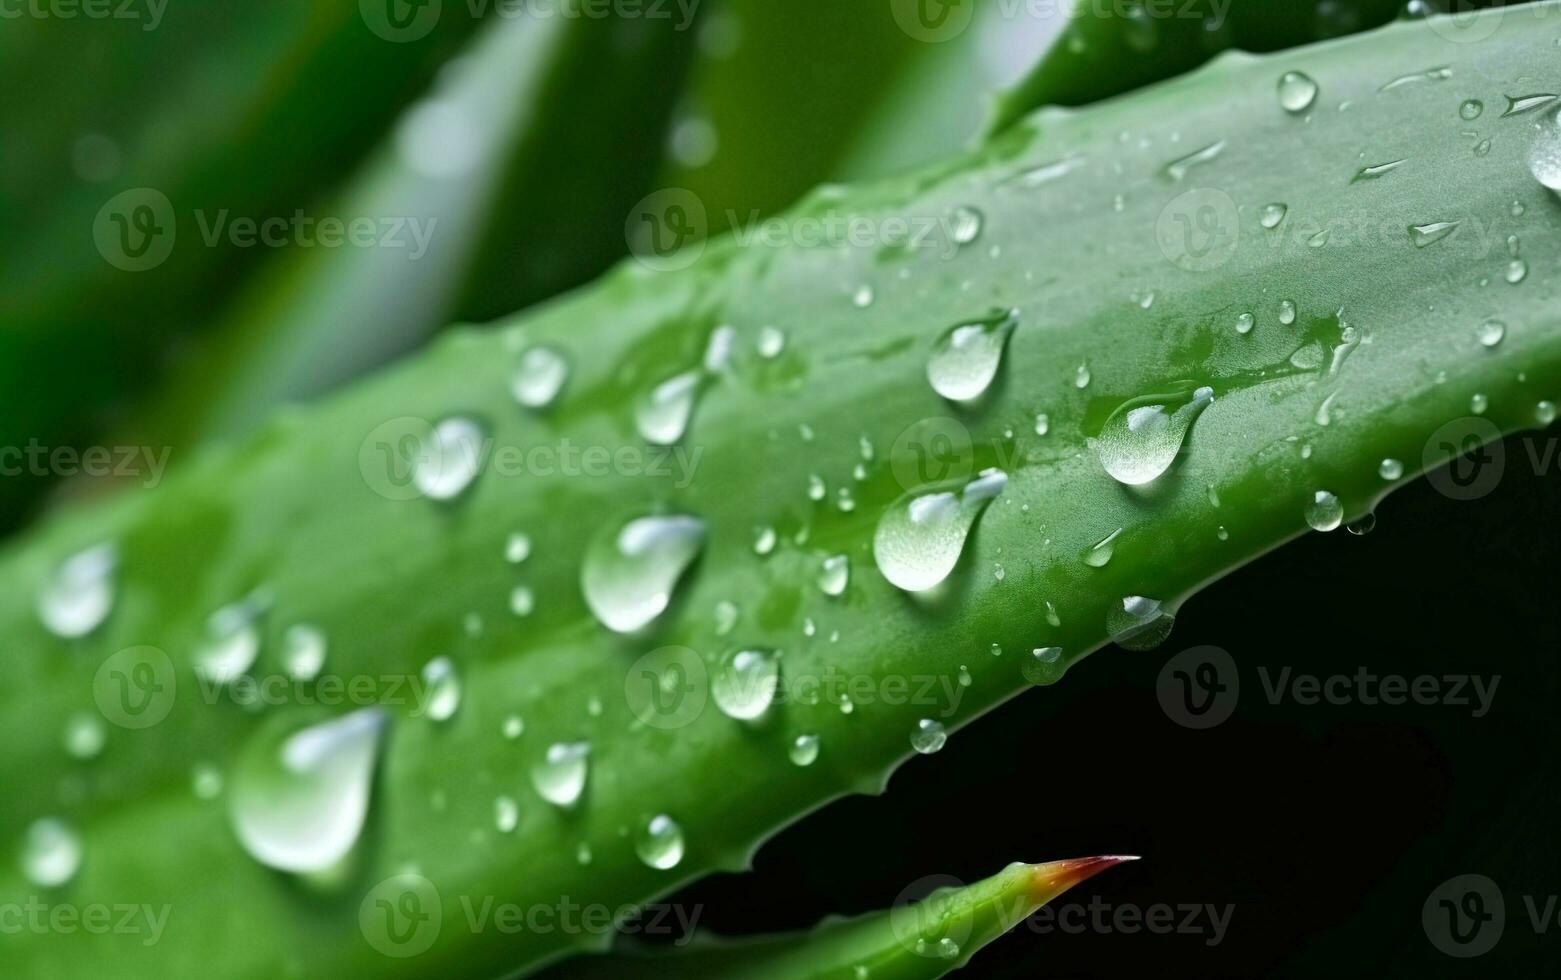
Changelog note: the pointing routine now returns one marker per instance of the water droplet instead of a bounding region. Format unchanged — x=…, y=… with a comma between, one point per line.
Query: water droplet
x=51, y=852
x=1518, y=104
x=863, y=297
x=662, y=416
x=560, y=777
x=1324, y=512
x=1390, y=469
x=1272, y=215
x=303, y=651
x=1221, y=533
x=80, y=594
x=1376, y=171
x=1100, y=553
x=1297, y=92
x=945, y=948
x=1432, y=232
x=803, y=750
x=1491, y=332
x=1138, y=623
x=763, y=540
x=583, y=853
x=1478, y=403
x=206, y=781
x=1362, y=527
x=1318, y=240
x=84, y=736
x=1517, y=271
x=660, y=843
x=232, y=642
x=514, y=726
x=965, y=225
x=726, y=614
x=1471, y=109
x=1043, y=666
x=1043, y=424
x=517, y=548
x=506, y=814
x=772, y=340
x=450, y=459
x=444, y=688
x=300, y=796
x=1245, y=322
x=1482, y=148
x=745, y=685
x=1545, y=412
x=539, y=377
x=1142, y=437
x=1177, y=169
x=928, y=737
x=921, y=536
x=997, y=650
x=628, y=576
x=1286, y=312
x=1081, y=376
x=522, y=600
x=835, y=574
x=966, y=357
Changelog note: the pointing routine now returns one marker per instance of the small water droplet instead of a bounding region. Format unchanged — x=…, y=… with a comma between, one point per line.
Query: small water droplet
x=206, y=781
x=522, y=600
x=628, y=576
x=745, y=684
x=763, y=540
x=1245, y=322
x=662, y=416
x=863, y=297
x=303, y=651
x=84, y=736
x=1177, y=169
x=80, y=594
x=1142, y=437
x=1287, y=312
x=803, y=750
x=1100, y=553
x=1491, y=332
x=1081, y=376
x=232, y=641
x=965, y=359
x=1431, y=232
x=450, y=459
x=1376, y=171
x=1043, y=666
x=1273, y=214
x=726, y=615
x=517, y=547
x=1362, y=527
x=1042, y=423
x=1478, y=403
x=921, y=536
x=1517, y=271
x=1221, y=533
x=539, y=377
x=1471, y=109
x=835, y=574
x=1138, y=623
x=1297, y=92
x=506, y=814
x=443, y=687
x=929, y=736
x=965, y=225
x=772, y=340
x=1545, y=412
x=1390, y=469
x=1482, y=148
x=1518, y=104
x=1324, y=512
x=660, y=843
x=513, y=727
x=300, y=795
x=51, y=852
x=559, y=778
x=582, y=853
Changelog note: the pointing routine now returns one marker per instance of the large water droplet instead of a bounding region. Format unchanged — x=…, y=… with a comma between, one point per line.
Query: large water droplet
x=1142, y=437
x=1043, y=666
x=51, y=852
x=1491, y=332
x=1272, y=215
x=539, y=377
x=1390, y=469
x=835, y=574
x=232, y=641
x=1324, y=512
x=660, y=842
x=1100, y=553
x=966, y=357
x=921, y=536
x=1544, y=158
x=443, y=688
x=965, y=225
x=745, y=684
x=80, y=594
x=1471, y=109
x=560, y=777
x=929, y=736
x=450, y=459
x=662, y=416
x=1297, y=91
x=628, y=576
x=1138, y=623
x=299, y=796
x=1431, y=232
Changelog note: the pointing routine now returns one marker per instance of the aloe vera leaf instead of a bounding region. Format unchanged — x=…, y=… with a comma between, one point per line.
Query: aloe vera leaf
x=226, y=107
x=396, y=583
x=1108, y=49
x=315, y=318
x=928, y=938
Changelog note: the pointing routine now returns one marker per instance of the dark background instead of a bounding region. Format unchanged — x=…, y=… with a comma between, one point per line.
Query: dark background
x=1327, y=827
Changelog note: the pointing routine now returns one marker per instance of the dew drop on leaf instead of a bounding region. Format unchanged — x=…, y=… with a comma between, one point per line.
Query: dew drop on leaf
x=1272, y=215
x=85, y=735
x=1324, y=512
x=517, y=547
x=539, y=376
x=303, y=651
x=1478, y=403
x=1100, y=553
x=1043, y=666
x=1545, y=412
x=629, y=575
x=450, y=459
x=772, y=340
x=834, y=575
x=80, y=594
x=803, y=750
x=921, y=535
x=1297, y=91
x=744, y=685
x=1142, y=437
x=443, y=686
x=662, y=416
x=1138, y=623
x=1245, y=322
x=929, y=736
x=1491, y=333
x=231, y=643
x=965, y=225
x=506, y=814
x=559, y=778
x=1390, y=469
x=1471, y=109
x=51, y=852
x=660, y=842
x=965, y=359
x=1431, y=232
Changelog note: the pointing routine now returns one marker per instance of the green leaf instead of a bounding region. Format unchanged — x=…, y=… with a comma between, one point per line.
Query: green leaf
x=1110, y=266
x=465, y=239
x=926, y=938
